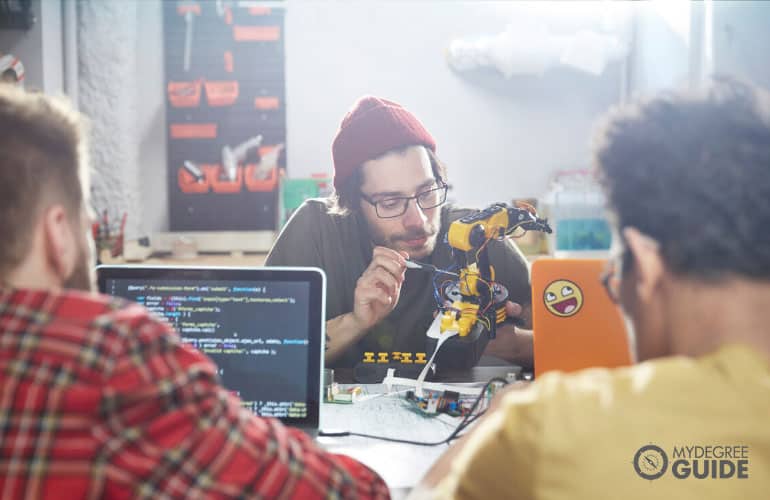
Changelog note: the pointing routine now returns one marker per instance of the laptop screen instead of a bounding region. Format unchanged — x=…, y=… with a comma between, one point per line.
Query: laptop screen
x=262, y=328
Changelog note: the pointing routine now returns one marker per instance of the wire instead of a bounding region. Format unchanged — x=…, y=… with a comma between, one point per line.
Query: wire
x=429, y=267
x=490, y=287
x=509, y=233
x=455, y=434
x=483, y=245
x=436, y=293
x=439, y=291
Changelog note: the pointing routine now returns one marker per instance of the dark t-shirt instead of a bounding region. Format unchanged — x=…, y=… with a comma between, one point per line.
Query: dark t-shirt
x=342, y=247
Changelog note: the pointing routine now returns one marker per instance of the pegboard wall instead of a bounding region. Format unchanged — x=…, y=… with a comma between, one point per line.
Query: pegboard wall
x=226, y=118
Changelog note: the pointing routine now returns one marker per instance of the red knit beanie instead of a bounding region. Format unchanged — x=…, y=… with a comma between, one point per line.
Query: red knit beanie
x=373, y=127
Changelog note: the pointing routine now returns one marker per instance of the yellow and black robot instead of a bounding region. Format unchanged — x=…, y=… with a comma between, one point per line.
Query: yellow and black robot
x=477, y=301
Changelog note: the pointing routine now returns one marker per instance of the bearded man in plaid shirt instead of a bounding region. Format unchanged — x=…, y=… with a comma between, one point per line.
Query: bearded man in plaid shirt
x=97, y=397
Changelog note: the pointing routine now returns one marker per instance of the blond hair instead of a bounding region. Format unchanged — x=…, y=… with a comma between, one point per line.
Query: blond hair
x=43, y=160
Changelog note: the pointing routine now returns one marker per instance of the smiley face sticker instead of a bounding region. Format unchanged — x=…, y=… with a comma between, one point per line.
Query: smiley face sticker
x=563, y=298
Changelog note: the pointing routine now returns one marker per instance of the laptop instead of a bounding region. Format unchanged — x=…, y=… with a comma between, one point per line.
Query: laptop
x=263, y=327
x=575, y=323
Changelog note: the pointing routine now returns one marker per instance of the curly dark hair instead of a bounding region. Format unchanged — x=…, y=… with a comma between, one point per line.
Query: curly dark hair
x=692, y=170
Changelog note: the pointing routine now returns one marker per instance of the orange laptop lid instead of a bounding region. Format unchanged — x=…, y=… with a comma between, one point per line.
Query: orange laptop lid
x=575, y=323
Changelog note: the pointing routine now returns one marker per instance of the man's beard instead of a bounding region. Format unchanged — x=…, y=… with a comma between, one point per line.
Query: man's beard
x=396, y=241
x=82, y=277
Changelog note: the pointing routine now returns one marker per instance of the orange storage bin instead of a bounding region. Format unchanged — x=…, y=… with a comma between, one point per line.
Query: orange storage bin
x=269, y=183
x=184, y=94
x=219, y=185
x=259, y=11
x=256, y=33
x=266, y=103
x=222, y=93
x=185, y=7
x=193, y=130
x=189, y=184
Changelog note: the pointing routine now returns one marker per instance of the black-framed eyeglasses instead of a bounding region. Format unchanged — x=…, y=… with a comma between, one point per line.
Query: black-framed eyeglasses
x=620, y=264
x=617, y=265
x=611, y=281
x=396, y=206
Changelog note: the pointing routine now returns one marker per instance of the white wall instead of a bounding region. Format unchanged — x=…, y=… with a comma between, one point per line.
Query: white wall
x=51, y=33
x=741, y=34
x=500, y=138
x=121, y=84
x=151, y=118
x=107, y=95
x=121, y=91
x=661, y=57
x=39, y=48
x=733, y=39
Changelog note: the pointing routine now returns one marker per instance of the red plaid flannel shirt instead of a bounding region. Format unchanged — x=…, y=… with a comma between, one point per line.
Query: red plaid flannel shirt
x=101, y=399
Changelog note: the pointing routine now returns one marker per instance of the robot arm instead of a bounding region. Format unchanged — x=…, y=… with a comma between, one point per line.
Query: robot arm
x=478, y=301
x=494, y=222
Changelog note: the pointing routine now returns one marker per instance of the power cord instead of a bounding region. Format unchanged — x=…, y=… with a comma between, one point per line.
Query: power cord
x=464, y=423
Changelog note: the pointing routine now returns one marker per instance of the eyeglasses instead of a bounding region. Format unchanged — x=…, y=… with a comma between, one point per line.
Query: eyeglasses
x=611, y=281
x=618, y=263
x=396, y=206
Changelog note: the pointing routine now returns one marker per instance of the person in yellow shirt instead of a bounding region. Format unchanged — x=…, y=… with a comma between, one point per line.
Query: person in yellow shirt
x=688, y=178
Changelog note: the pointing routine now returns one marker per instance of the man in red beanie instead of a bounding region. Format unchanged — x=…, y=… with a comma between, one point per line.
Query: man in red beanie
x=389, y=206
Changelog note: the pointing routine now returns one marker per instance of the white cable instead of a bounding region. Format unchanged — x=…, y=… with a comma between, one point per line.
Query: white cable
x=442, y=337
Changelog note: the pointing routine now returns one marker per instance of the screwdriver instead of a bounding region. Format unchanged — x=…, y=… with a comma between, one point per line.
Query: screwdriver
x=411, y=264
